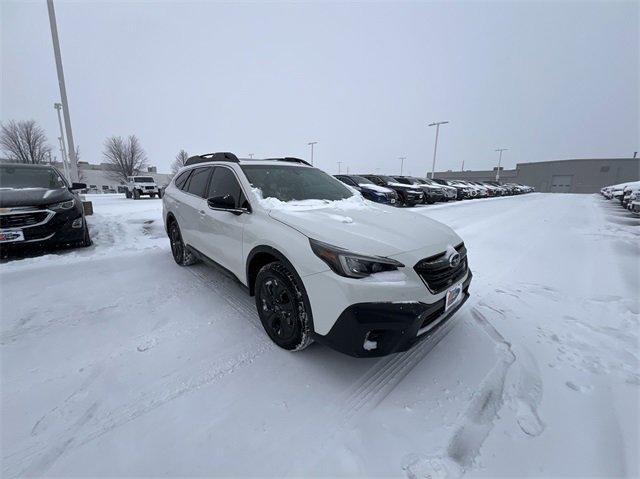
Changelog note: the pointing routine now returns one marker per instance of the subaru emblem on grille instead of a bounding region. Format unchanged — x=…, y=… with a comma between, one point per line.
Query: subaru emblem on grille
x=454, y=260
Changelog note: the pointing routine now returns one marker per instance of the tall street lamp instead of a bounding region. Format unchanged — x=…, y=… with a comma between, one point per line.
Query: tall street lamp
x=63, y=90
x=435, y=147
x=339, y=169
x=500, y=161
x=311, y=143
x=63, y=149
x=401, y=158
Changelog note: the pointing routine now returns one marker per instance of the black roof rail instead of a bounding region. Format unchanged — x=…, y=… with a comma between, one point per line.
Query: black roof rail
x=290, y=159
x=220, y=156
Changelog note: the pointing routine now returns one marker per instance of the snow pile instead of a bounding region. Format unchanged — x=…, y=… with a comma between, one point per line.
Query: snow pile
x=355, y=202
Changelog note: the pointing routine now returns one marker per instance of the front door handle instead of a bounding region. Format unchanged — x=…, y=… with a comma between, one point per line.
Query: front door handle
x=202, y=213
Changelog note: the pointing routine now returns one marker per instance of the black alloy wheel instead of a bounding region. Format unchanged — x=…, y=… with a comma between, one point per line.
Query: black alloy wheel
x=180, y=253
x=282, y=307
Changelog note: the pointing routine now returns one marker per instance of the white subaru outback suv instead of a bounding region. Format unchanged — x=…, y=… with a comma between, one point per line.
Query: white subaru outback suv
x=323, y=263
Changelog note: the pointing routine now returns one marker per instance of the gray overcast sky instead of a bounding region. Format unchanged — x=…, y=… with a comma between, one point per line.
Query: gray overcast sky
x=548, y=80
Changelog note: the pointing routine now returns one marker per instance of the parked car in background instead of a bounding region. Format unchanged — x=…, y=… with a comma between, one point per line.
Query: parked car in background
x=432, y=193
x=462, y=192
x=322, y=263
x=370, y=190
x=450, y=193
x=408, y=195
x=138, y=186
x=629, y=194
x=39, y=209
x=468, y=192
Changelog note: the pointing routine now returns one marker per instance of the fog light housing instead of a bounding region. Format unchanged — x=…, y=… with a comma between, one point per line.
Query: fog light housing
x=77, y=223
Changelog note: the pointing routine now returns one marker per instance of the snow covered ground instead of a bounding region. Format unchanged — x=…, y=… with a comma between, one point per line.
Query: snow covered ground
x=117, y=362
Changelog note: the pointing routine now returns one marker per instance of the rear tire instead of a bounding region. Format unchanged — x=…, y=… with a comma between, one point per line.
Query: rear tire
x=282, y=306
x=181, y=254
x=127, y=193
x=136, y=195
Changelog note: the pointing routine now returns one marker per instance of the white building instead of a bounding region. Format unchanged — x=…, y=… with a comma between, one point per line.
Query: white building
x=99, y=179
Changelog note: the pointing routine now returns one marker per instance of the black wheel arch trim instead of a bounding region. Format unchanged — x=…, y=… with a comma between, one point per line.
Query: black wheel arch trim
x=282, y=258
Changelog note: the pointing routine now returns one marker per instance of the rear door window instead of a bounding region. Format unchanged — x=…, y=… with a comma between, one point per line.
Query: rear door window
x=198, y=181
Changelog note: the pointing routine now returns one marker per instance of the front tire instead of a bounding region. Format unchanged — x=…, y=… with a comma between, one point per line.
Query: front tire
x=181, y=255
x=136, y=195
x=282, y=306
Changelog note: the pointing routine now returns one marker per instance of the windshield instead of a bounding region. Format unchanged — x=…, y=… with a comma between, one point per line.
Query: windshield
x=290, y=183
x=388, y=179
x=25, y=177
x=404, y=181
x=362, y=180
x=143, y=179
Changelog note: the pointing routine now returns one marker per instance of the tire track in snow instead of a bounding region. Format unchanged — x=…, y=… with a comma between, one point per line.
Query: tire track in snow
x=38, y=460
x=369, y=391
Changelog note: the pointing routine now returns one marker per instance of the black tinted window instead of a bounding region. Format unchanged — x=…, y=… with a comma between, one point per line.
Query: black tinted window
x=223, y=183
x=346, y=180
x=198, y=182
x=182, y=179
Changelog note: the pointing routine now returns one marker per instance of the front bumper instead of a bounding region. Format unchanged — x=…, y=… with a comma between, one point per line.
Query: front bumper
x=58, y=230
x=393, y=326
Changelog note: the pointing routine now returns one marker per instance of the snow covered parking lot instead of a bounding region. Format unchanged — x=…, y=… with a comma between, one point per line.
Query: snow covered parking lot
x=115, y=361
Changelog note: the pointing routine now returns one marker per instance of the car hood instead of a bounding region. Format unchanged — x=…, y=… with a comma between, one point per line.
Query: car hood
x=371, y=229
x=10, y=197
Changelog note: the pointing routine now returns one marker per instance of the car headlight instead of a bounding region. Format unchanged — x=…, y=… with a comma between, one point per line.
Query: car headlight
x=63, y=205
x=352, y=265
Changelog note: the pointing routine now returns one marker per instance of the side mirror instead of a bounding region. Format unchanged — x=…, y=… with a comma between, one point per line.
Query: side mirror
x=78, y=186
x=225, y=203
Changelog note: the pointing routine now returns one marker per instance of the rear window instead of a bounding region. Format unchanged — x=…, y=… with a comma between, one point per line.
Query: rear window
x=198, y=182
x=182, y=179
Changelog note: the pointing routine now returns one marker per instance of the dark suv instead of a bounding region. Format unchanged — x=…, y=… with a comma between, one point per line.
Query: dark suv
x=368, y=189
x=408, y=195
x=431, y=193
x=39, y=208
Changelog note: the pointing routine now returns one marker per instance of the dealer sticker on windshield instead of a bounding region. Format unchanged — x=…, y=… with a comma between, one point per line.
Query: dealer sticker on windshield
x=8, y=236
x=453, y=297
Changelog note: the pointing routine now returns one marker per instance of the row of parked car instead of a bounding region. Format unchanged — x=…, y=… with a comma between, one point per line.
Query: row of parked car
x=628, y=194
x=412, y=191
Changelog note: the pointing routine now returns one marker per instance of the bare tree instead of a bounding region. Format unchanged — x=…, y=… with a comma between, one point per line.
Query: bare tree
x=125, y=157
x=24, y=142
x=181, y=159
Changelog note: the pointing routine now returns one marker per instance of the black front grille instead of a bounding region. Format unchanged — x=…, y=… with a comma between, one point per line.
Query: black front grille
x=438, y=274
x=148, y=187
x=20, y=220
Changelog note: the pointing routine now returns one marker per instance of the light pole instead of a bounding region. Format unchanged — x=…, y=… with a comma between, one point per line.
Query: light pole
x=63, y=155
x=499, y=161
x=435, y=147
x=63, y=150
x=402, y=158
x=311, y=143
x=339, y=163
x=63, y=90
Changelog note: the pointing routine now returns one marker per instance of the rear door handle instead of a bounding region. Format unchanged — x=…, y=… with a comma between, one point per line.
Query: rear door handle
x=202, y=213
